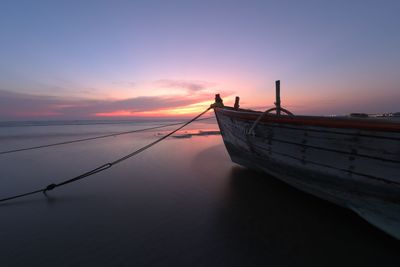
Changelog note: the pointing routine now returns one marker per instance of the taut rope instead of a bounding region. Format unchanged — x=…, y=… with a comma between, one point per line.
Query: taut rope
x=106, y=165
x=90, y=138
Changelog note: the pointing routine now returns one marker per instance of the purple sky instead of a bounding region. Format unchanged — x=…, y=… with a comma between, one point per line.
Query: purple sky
x=76, y=59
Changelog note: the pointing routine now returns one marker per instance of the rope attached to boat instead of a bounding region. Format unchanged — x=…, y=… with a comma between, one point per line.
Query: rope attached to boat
x=251, y=130
x=91, y=138
x=106, y=165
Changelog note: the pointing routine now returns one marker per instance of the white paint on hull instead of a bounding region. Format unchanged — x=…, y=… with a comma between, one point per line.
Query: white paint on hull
x=352, y=168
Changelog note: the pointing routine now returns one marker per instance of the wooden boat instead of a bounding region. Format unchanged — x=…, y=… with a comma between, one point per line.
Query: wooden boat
x=351, y=161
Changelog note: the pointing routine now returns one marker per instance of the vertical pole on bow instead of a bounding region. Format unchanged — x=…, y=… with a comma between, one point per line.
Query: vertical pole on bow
x=278, y=97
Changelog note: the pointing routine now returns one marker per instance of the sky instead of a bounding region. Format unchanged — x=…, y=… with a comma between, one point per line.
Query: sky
x=125, y=59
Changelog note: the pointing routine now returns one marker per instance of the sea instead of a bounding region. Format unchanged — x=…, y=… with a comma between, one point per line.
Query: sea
x=182, y=202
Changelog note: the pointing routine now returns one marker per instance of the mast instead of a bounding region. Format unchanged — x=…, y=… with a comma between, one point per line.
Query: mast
x=278, y=97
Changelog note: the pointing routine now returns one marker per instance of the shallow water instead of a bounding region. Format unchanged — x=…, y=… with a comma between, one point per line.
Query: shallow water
x=181, y=203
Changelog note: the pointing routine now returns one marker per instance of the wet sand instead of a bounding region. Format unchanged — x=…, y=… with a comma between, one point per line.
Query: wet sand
x=178, y=204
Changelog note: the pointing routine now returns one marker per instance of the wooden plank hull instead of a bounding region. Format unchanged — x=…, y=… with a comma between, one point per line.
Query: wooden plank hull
x=355, y=167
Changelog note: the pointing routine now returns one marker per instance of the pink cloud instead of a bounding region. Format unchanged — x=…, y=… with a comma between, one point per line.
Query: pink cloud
x=26, y=106
x=191, y=86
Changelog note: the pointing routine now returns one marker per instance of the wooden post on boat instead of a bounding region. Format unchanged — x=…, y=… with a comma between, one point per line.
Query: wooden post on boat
x=218, y=102
x=278, y=97
x=236, y=106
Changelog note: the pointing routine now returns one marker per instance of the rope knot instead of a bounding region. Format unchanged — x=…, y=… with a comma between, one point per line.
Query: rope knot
x=49, y=187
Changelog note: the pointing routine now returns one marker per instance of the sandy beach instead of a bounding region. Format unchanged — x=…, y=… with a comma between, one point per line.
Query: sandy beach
x=180, y=203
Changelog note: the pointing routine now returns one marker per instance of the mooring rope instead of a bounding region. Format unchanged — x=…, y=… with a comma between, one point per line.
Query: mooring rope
x=90, y=138
x=106, y=165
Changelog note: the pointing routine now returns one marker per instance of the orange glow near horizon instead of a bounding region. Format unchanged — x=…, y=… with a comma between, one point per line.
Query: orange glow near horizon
x=299, y=98
x=172, y=112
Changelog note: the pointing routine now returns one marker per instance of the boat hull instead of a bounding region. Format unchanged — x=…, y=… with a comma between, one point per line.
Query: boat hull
x=352, y=167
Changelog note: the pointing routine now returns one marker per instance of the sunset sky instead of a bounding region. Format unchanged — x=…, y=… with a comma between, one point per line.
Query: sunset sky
x=121, y=59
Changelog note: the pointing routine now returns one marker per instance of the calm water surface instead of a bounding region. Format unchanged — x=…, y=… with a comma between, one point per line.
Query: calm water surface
x=181, y=203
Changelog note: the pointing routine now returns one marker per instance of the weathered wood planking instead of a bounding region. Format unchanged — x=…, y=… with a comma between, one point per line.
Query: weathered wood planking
x=343, y=141
x=343, y=150
x=343, y=164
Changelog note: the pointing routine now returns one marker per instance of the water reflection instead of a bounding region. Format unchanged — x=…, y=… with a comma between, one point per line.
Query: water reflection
x=181, y=203
x=269, y=222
